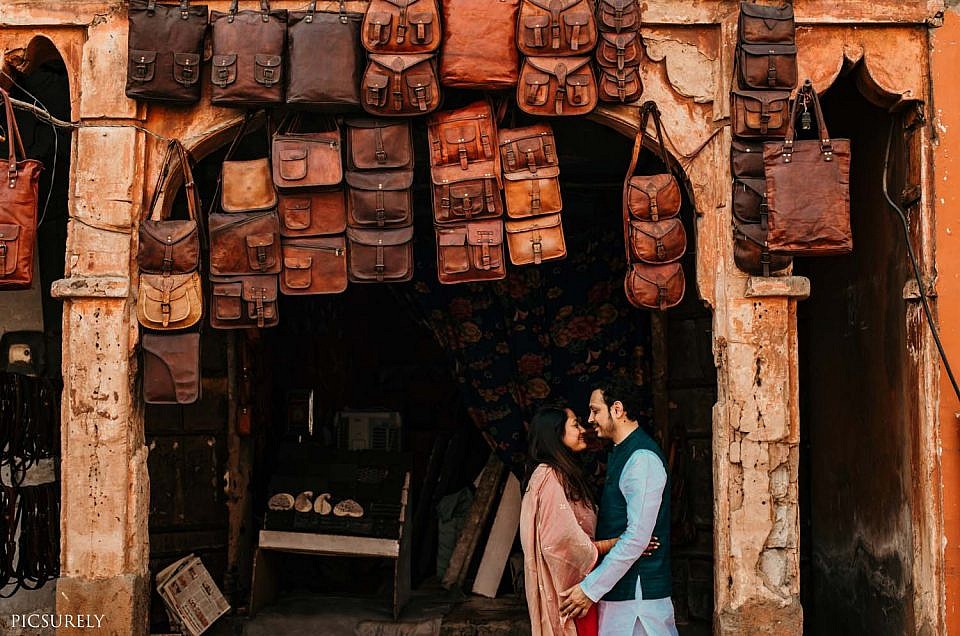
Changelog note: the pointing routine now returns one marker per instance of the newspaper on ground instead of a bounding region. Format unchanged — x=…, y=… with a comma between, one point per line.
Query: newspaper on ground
x=192, y=598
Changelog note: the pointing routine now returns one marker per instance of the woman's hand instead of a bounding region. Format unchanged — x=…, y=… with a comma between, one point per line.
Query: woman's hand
x=652, y=547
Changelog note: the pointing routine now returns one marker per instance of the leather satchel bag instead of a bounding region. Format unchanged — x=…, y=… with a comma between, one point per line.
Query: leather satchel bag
x=746, y=159
x=401, y=26
x=171, y=368
x=173, y=301
x=619, y=56
x=480, y=44
x=462, y=136
x=169, y=246
x=767, y=66
x=655, y=286
x=808, y=188
x=330, y=84
x=374, y=144
x=314, y=266
x=18, y=208
x=557, y=86
x=657, y=242
x=650, y=197
x=752, y=254
x=531, y=171
x=247, y=60
x=765, y=24
x=556, y=27
x=470, y=252
x=380, y=198
x=312, y=213
x=460, y=194
x=759, y=114
x=164, y=50
x=400, y=85
x=244, y=243
x=380, y=255
x=243, y=302
x=616, y=16
x=245, y=186
x=306, y=159
x=750, y=201
x=619, y=86
x=536, y=239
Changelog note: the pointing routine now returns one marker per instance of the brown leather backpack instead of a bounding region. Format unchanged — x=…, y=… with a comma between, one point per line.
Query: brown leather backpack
x=243, y=302
x=535, y=239
x=759, y=114
x=164, y=50
x=470, y=252
x=312, y=213
x=169, y=301
x=618, y=15
x=531, y=171
x=479, y=44
x=766, y=24
x=654, y=286
x=244, y=243
x=169, y=246
x=556, y=27
x=401, y=26
x=380, y=198
x=557, y=86
x=171, y=368
x=462, y=136
x=751, y=253
x=460, y=194
x=746, y=159
x=333, y=83
x=18, y=208
x=397, y=85
x=380, y=255
x=314, y=266
x=247, y=60
x=374, y=144
x=656, y=242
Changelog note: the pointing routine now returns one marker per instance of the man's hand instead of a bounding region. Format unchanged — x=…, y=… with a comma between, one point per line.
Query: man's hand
x=574, y=603
x=652, y=547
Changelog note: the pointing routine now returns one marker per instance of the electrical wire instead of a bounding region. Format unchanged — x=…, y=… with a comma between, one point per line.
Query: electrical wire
x=916, y=266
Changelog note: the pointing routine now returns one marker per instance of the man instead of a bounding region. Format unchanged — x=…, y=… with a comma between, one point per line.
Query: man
x=635, y=504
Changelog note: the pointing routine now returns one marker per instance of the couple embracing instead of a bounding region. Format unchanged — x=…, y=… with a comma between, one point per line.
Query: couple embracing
x=593, y=571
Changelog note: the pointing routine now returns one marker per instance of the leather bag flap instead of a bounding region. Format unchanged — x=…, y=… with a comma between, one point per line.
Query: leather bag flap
x=544, y=222
x=549, y=65
x=576, y=18
x=376, y=81
x=260, y=240
x=9, y=231
x=452, y=237
x=380, y=179
x=485, y=232
x=169, y=232
x=224, y=60
x=297, y=262
x=264, y=287
x=386, y=238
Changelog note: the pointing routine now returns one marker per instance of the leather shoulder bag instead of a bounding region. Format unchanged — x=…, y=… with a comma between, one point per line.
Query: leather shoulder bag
x=306, y=159
x=751, y=253
x=462, y=136
x=246, y=186
x=619, y=56
x=557, y=86
x=247, y=60
x=460, y=194
x=330, y=83
x=767, y=66
x=312, y=212
x=650, y=197
x=536, y=239
x=746, y=159
x=171, y=368
x=656, y=242
x=657, y=287
x=244, y=243
x=164, y=50
x=380, y=255
x=765, y=24
x=18, y=207
x=374, y=144
x=531, y=170
x=556, y=27
x=479, y=44
x=380, y=198
x=243, y=302
x=401, y=26
x=399, y=85
x=470, y=252
x=169, y=302
x=759, y=114
x=808, y=188
x=314, y=266
x=616, y=16
x=750, y=201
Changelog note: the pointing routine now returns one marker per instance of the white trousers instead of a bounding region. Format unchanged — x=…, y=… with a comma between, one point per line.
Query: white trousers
x=637, y=618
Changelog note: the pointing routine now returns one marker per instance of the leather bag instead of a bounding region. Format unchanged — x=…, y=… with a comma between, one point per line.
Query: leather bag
x=480, y=44
x=619, y=56
x=401, y=26
x=657, y=242
x=380, y=198
x=556, y=27
x=619, y=86
x=399, y=85
x=650, y=197
x=374, y=144
x=332, y=83
x=460, y=195
x=248, y=48
x=557, y=86
x=380, y=255
x=750, y=201
x=306, y=159
x=244, y=243
x=752, y=254
x=536, y=239
x=171, y=368
x=173, y=301
x=170, y=246
x=312, y=213
x=314, y=266
x=746, y=159
x=655, y=286
x=463, y=136
x=765, y=24
x=243, y=302
x=767, y=66
x=759, y=114
x=18, y=208
x=245, y=186
x=617, y=16
x=470, y=252
x=165, y=50
x=531, y=171
x=808, y=188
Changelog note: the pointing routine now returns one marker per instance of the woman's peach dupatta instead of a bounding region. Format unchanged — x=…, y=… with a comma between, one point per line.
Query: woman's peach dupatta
x=558, y=550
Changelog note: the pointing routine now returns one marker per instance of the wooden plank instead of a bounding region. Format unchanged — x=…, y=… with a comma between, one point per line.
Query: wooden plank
x=263, y=591
x=401, y=571
x=328, y=544
x=483, y=501
x=506, y=523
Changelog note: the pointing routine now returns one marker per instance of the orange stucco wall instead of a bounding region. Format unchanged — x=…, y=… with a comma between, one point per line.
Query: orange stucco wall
x=946, y=105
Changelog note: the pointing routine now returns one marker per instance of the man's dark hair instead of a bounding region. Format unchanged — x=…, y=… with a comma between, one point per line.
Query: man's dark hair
x=619, y=388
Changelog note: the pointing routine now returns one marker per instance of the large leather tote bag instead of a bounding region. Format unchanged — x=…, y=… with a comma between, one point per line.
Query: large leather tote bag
x=808, y=188
x=164, y=50
x=480, y=44
x=18, y=208
x=171, y=246
x=330, y=83
x=171, y=368
x=248, y=49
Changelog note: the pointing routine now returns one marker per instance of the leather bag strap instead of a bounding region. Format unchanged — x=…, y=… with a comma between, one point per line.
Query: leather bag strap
x=808, y=95
x=193, y=200
x=247, y=118
x=264, y=6
x=14, y=142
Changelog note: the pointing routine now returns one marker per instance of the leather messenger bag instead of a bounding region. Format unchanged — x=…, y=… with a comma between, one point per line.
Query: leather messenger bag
x=462, y=136
x=400, y=85
x=379, y=198
x=331, y=83
x=248, y=49
x=767, y=66
x=759, y=114
x=380, y=255
x=306, y=159
x=535, y=239
x=312, y=212
x=617, y=16
x=18, y=207
x=766, y=24
x=460, y=195
x=751, y=252
x=480, y=44
x=314, y=266
x=557, y=86
x=245, y=186
x=750, y=201
x=470, y=252
x=401, y=26
x=556, y=27
x=164, y=50
x=171, y=368
x=169, y=302
x=244, y=243
x=746, y=159
x=650, y=197
x=531, y=171
x=374, y=144
x=243, y=302
x=657, y=242
x=655, y=286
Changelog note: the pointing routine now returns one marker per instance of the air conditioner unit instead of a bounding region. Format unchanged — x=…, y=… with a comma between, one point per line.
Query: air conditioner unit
x=368, y=430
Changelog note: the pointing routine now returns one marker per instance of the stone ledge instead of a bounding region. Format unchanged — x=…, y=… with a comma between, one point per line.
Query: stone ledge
x=781, y=286
x=91, y=287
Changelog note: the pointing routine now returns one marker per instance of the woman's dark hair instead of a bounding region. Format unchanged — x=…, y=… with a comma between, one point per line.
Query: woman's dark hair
x=545, y=446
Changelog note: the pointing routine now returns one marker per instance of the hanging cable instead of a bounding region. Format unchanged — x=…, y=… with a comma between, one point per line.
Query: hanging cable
x=916, y=266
